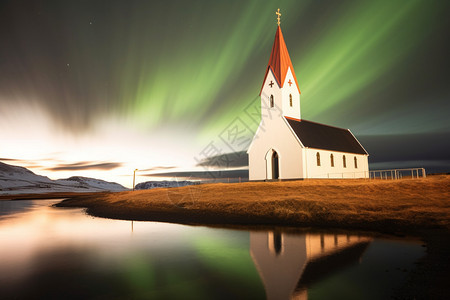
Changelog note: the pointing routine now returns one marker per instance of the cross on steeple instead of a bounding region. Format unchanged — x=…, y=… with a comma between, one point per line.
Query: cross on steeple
x=271, y=83
x=290, y=82
x=278, y=17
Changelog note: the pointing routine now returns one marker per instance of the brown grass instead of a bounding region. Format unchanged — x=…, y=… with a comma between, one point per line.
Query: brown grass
x=407, y=205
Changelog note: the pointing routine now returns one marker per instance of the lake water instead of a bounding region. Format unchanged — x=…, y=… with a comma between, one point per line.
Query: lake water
x=60, y=253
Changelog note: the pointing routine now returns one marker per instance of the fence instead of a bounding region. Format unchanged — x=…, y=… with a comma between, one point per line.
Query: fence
x=343, y=175
x=375, y=174
x=225, y=180
x=397, y=173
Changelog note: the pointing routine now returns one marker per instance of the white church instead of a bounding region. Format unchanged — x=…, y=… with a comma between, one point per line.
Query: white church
x=285, y=146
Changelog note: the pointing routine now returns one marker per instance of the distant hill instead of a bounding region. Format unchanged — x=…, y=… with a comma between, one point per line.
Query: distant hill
x=18, y=180
x=163, y=184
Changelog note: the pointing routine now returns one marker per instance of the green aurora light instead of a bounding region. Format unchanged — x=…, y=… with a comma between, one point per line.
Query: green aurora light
x=206, y=78
x=197, y=65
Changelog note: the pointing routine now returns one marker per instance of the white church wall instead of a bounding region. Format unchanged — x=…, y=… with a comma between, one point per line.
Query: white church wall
x=291, y=163
x=325, y=170
x=274, y=131
x=294, y=110
x=256, y=167
x=275, y=135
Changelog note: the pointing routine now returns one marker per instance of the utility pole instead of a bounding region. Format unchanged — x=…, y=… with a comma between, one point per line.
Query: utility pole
x=134, y=177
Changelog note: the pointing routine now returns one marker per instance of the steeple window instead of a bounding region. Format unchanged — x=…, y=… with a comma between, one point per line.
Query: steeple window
x=271, y=101
x=290, y=100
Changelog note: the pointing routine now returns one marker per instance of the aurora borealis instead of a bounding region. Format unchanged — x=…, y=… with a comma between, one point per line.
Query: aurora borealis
x=148, y=84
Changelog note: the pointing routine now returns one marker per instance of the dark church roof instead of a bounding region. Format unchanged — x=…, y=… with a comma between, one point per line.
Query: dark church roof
x=320, y=136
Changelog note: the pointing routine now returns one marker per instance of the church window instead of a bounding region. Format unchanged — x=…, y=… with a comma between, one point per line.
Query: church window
x=290, y=100
x=271, y=101
x=356, y=163
x=344, y=161
x=332, y=160
x=318, y=159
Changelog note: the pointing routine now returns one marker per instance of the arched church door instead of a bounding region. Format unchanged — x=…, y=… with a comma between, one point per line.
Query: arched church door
x=275, y=166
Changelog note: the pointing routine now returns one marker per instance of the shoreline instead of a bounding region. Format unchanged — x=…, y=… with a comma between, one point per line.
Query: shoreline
x=404, y=207
x=50, y=195
x=407, y=208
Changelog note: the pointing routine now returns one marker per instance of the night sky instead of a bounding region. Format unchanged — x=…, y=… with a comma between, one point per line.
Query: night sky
x=99, y=88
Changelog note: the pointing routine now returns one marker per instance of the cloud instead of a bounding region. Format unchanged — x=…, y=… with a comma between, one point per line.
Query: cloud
x=227, y=160
x=85, y=166
x=407, y=147
x=20, y=162
x=157, y=168
x=205, y=175
x=9, y=159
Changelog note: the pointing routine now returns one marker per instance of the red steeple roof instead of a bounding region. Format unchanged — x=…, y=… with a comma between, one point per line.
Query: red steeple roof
x=280, y=61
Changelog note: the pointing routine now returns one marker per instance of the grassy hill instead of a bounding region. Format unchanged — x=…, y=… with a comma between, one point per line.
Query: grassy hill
x=407, y=205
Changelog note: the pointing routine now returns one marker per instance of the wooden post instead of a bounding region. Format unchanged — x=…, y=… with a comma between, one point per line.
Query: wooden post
x=134, y=177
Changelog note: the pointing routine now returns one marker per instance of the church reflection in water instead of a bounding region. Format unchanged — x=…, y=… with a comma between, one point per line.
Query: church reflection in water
x=290, y=263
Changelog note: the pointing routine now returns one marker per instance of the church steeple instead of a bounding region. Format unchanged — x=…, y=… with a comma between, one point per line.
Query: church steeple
x=280, y=84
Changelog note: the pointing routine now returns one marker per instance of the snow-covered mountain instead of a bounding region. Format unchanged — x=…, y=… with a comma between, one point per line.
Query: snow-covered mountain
x=91, y=183
x=19, y=180
x=163, y=184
